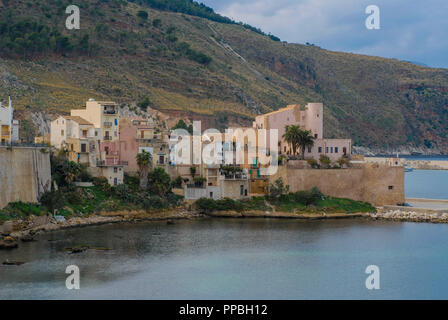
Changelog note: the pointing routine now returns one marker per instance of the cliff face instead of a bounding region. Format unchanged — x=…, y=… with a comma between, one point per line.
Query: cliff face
x=221, y=73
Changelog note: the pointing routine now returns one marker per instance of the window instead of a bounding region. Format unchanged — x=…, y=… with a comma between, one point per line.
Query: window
x=284, y=148
x=62, y=132
x=309, y=149
x=320, y=150
x=142, y=134
x=115, y=181
x=391, y=187
x=115, y=169
x=336, y=150
x=326, y=149
x=211, y=194
x=84, y=133
x=331, y=149
x=315, y=136
x=245, y=192
x=96, y=133
x=83, y=147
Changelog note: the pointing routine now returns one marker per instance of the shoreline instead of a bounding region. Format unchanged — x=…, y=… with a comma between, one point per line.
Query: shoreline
x=27, y=230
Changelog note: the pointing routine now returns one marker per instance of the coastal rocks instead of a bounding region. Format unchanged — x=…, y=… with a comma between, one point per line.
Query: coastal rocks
x=8, y=242
x=12, y=263
x=411, y=215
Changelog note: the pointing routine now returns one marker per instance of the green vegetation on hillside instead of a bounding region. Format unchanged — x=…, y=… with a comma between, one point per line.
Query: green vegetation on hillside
x=190, y=64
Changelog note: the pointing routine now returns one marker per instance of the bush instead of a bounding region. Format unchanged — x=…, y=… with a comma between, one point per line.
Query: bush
x=177, y=183
x=142, y=14
x=308, y=197
x=206, y=204
x=278, y=189
x=324, y=161
x=313, y=163
x=159, y=182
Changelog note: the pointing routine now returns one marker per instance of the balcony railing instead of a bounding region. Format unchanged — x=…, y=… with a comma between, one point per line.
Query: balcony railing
x=107, y=138
x=110, y=111
x=111, y=162
x=108, y=124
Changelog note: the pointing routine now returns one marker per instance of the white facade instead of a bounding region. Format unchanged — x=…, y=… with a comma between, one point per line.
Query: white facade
x=9, y=128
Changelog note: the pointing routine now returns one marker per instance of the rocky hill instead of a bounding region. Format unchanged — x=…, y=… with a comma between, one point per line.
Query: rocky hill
x=194, y=63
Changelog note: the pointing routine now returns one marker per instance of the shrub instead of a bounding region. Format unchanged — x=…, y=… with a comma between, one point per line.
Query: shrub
x=206, y=204
x=313, y=163
x=159, y=182
x=277, y=189
x=142, y=14
x=324, y=161
x=177, y=183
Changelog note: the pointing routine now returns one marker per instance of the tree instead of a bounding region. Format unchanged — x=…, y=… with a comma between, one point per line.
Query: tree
x=298, y=138
x=142, y=14
x=193, y=171
x=306, y=140
x=159, y=182
x=144, y=104
x=182, y=125
x=144, y=162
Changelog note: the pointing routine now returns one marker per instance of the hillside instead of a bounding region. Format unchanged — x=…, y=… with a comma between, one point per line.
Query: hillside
x=202, y=66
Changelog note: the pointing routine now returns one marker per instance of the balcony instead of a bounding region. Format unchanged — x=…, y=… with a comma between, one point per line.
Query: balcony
x=108, y=110
x=107, y=138
x=111, y=163
x=108, y=124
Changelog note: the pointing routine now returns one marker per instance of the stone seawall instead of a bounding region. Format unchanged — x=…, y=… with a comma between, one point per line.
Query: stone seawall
x=377, y=184
x=25, y=174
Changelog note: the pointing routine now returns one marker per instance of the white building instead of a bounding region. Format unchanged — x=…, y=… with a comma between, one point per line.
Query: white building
x=9, y=127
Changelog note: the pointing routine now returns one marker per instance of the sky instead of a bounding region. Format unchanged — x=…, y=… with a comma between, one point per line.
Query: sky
x=410, y=30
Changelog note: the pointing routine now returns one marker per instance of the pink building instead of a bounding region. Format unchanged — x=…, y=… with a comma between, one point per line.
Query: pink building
x=309, y=117
x=138, y=134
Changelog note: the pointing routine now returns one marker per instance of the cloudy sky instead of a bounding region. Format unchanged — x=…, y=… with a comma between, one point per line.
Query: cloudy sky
x=412, y=30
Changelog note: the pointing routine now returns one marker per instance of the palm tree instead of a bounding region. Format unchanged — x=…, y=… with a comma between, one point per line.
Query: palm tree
x=306, y=140
x=291, y=136
x=298, y=138
x=144, y=162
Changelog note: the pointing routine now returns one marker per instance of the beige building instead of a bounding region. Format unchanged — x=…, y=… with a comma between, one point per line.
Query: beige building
x=309, y=117
x=78, y=136
x=104, y=116
x=91, y=137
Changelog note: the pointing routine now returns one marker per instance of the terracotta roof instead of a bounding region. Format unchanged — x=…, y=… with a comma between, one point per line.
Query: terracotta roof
x=78, y=120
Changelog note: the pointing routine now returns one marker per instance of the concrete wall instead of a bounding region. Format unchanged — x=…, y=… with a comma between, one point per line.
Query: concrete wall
x=370, y=182
x=25, y=174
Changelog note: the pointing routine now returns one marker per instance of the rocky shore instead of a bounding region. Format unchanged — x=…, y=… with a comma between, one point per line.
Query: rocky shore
x=17, y=231
x=411, y=215
x=13, y=232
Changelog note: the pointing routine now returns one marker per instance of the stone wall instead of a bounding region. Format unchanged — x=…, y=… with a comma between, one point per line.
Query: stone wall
x=379, y=185
x=25, y=174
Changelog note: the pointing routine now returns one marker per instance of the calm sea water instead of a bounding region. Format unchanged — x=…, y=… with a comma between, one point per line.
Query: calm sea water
x=432, y=184
x=235, y=259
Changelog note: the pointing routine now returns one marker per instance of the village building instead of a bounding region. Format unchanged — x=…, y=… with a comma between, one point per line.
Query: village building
x=91, y=137
x=9, y=128
x=136, y=135
x=309, y=117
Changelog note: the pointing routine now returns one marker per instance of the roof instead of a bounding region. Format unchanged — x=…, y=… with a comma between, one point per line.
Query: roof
x=292, y=106
x=78, y=119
